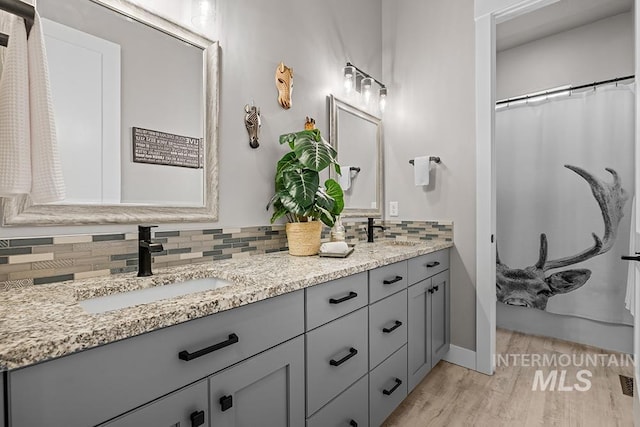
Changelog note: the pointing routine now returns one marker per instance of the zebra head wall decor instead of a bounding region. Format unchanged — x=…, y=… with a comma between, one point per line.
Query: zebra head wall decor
x=531, y=287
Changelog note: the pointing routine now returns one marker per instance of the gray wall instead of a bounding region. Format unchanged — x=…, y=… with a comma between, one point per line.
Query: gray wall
x=597, y=51
x=428, y=61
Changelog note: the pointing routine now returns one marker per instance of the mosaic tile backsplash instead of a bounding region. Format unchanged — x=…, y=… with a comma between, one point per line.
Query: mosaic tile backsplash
x=35, y=261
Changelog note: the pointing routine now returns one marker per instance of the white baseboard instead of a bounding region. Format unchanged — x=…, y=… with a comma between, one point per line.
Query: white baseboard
x=461, y=356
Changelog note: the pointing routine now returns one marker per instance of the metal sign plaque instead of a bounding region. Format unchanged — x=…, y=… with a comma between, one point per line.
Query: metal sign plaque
x=160, y=148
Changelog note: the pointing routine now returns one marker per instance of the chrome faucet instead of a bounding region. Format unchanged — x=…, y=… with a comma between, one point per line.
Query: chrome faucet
x=370, y=228
x=145, y=248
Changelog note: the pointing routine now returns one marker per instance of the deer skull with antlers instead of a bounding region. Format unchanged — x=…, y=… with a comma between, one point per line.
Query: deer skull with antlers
x=531, y=287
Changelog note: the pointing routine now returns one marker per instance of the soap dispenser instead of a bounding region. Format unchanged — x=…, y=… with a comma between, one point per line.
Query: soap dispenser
x=337, y=232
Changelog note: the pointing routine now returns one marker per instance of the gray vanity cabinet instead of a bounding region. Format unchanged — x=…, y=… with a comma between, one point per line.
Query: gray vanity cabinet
x=265, y=390
x=186, y=407
x=96, y=385
x=428, y=324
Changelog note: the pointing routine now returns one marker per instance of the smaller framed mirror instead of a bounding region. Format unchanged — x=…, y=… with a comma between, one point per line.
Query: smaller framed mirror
x=357, y=137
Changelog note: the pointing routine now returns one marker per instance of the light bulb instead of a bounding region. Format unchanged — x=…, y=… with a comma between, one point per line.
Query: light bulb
x=383, y=99
x=349, y=79
x=365, y=89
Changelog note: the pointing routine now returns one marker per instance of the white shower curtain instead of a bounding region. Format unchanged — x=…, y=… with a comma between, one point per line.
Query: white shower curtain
x=536, y=194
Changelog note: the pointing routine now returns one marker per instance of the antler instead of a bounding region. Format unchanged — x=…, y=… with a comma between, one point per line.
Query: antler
x=611, y=198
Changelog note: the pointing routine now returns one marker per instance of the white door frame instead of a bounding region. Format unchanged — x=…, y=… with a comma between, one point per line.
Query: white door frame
x=487, y=14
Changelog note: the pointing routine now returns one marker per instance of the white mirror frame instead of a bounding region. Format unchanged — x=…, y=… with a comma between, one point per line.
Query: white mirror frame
x=335, y=105
x=20, y=211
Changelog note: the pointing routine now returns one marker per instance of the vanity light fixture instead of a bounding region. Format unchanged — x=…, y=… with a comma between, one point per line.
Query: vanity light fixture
x=356, y=81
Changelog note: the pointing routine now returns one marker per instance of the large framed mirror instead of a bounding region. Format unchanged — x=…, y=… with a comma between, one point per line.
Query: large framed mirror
x=135, y=99
x=357, y=137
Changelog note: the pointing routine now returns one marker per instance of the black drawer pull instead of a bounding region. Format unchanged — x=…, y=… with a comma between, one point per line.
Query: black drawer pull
x=435, y=288
x=433, y=264
x=394, y=388
x=197, y=418
x=185, y=355
x=226, y=402
x=396, y=279
x=353, y=423
x=352, y=352
x=430, y=290
x=351, y=295
x=393, y=328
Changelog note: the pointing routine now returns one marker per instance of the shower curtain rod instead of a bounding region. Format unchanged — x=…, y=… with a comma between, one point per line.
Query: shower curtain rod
x=569, y=89
x=18, y=8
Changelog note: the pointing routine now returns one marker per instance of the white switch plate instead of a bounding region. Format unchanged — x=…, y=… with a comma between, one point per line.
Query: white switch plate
x=393, y=208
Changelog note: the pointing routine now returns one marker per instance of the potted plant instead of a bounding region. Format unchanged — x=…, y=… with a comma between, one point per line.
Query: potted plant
x=298, y=194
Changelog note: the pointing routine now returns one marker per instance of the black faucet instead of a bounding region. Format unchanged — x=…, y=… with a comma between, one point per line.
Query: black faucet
x=370, y=228
x=145, y=249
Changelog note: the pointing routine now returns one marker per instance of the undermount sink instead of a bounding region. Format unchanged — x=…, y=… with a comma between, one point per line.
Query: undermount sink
x=156, y=293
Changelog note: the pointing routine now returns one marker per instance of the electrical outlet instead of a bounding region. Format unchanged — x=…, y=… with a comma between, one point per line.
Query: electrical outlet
x=393, y=208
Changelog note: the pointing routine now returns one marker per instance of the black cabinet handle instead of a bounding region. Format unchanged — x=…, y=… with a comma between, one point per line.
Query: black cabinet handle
x=394, y=388
x=396, y=279
x=226, y=402
x=393, y=328
x=631, y=258
x=430, y=290
x=352, y=352
x=353, y=423
x=435, y=288
x=343, y=299
x=185, y=355
x=433, y=264
x=197, y=418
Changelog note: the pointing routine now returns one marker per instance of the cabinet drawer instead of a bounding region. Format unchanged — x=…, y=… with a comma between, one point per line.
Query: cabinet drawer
x=336, y=298
x=387, y=327
x=387, y=280
x=95, y=385
x=387, y=386
x=351, y=408
x=427, y=265
x=176, y=409
x=337, y=355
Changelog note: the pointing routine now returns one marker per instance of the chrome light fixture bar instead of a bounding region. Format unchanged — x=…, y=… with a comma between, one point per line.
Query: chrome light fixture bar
x=357, y=80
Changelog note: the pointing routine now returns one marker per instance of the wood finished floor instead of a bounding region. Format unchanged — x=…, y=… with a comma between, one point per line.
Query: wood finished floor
x=456, y=396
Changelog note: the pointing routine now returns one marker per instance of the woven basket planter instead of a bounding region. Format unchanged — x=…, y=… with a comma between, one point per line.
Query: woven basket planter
x=304, y=237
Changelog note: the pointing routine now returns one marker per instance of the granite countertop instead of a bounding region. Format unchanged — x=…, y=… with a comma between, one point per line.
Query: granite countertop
x=43, y=322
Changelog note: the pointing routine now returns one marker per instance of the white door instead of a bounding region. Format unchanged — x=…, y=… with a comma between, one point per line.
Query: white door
x=84, y=72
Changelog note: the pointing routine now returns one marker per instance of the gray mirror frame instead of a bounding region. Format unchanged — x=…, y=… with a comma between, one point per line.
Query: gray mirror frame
x=335, y=105
x=20, y=211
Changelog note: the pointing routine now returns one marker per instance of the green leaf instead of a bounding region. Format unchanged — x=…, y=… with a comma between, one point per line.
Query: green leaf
x=324, y=200
x=334, y=190
x=301, y=185
x=337, y=168
x=290, y=204
x=314, y=155
x=326, y=217
x=286, y=163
